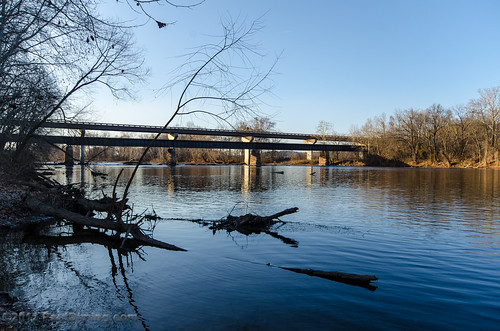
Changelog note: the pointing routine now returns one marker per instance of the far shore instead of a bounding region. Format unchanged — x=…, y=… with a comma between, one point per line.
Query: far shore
x=345, y=163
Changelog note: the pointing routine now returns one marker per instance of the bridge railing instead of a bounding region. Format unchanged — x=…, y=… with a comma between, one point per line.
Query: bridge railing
x=182, y=130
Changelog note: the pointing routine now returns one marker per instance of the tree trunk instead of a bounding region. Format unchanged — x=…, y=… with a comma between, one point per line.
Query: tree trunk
x=40, y=207
x=485, y=158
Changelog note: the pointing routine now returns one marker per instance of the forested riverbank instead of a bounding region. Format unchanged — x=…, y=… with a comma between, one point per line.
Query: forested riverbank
x=462, y=136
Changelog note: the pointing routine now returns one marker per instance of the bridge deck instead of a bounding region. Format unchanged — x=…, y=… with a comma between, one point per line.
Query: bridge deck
x=88, y=126
x=135, y=142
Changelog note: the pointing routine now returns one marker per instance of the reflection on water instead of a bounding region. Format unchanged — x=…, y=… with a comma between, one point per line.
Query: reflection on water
x=432, y=237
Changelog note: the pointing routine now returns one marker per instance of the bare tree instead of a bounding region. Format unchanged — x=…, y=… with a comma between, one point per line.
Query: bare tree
x=64, y=46
x=220, y=80
x=324, y=129
x=257, y=124
x=463, y=133
x=435, y=119
x=145, y=7
x=457, y=136
x=486, y=109
x=407, y=127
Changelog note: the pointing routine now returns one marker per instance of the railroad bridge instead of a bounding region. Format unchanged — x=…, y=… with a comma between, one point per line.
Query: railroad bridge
x=252, y=142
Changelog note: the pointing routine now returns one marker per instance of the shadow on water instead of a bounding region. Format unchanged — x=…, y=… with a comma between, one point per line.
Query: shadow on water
x=33, y=255
x=130, y=293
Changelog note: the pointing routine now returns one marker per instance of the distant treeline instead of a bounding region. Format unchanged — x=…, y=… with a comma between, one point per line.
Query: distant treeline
x=459, y=135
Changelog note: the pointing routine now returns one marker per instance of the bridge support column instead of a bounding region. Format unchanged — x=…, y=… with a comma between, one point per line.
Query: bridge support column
x=309, y=154
x=68, y=156
x=252, y=156
x=171, y=151
x=173, y=157
x=246, y=156
x=82, y=147
x=362, y=155
x=324, y=158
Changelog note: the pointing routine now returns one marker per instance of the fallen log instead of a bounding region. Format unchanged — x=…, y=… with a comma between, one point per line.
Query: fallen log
x=346, y=278
x=136, y=232
x=250, y=223
x=103, y=205
x=281, y=213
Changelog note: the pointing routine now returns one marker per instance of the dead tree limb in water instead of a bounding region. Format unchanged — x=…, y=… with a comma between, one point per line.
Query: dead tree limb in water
x=250, y=223
x=119, y=227
x=346, y=278
x=103, y=205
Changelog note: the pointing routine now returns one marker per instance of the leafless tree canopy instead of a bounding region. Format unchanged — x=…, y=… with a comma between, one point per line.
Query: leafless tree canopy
x=324, y=129
x=52, y=49
x=226, y=79
x=221, y=80
x=148, y=7
x=465, y=133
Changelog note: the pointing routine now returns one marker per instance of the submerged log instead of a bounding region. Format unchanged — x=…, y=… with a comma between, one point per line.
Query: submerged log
x=75, y=218
x=346, y=278
x=250, y=223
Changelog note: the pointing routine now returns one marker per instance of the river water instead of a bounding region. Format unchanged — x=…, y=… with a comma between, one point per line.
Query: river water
x=432, y=237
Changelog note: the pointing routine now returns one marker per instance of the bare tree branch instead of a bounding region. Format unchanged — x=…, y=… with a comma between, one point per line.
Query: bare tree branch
x=213, y=75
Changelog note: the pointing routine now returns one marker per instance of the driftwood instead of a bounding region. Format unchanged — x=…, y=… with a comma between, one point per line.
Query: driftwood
x=250, y=223
x=105, y=204
x=119, y=227
x=346, y=278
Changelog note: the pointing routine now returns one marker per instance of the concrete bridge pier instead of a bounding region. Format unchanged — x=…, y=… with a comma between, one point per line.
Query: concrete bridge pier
x=82, y=147
x=171, y=151
x=363, y=155
x=173, y=157
x=68, y=156
x=252, y=156
x=324, y=158
x=309, y=154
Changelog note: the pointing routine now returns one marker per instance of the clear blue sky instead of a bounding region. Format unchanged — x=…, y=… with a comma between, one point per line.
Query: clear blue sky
x=343, y=61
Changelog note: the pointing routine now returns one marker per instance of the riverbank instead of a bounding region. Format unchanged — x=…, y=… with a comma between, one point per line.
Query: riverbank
x=371, y=163
x=12, y=212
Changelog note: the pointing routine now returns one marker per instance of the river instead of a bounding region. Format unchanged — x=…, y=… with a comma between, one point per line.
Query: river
x=431, y=236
